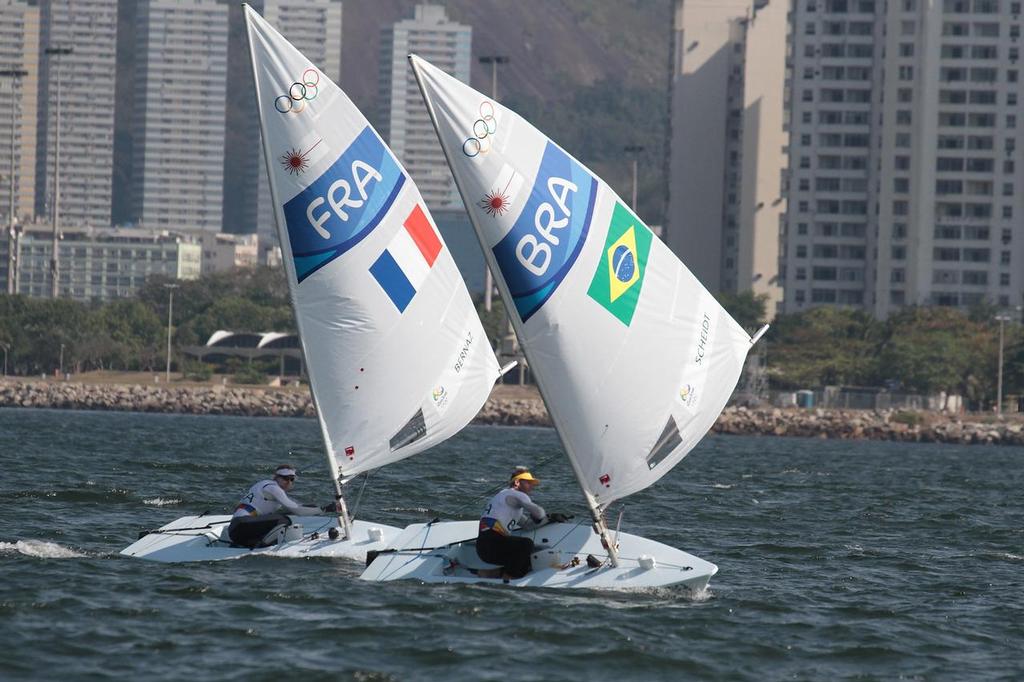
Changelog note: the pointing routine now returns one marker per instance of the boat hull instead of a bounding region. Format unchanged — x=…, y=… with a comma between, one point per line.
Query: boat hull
x=204, y=538
x=445, y=553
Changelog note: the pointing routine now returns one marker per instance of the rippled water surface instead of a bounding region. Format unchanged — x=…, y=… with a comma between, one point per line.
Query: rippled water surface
x=837, y=560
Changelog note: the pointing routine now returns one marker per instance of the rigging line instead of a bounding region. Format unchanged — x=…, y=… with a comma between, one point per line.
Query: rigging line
x=359, y=498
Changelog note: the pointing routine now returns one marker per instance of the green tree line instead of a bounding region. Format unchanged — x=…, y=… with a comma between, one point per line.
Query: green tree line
x=918, y=349
x=131, y=334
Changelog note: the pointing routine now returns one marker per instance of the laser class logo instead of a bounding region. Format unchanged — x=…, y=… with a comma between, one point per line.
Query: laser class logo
x=296, y=161
x=545, y=241
x=483, y=131
x=338, y=209
x=500, y=199
x=620, y=273
x=299, y=92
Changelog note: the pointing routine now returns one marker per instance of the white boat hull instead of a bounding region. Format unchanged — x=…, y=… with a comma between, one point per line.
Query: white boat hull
x=445, y=553
x=204, y=538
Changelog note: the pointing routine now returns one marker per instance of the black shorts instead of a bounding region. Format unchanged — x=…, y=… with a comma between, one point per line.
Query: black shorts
x=510, y=552
x=249, y=531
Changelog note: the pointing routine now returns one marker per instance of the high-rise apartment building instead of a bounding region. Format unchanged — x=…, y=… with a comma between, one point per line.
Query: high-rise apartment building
x=728, y=160
x=906, y=177
x=19, y=52
x=314, y=28
x=404, y=121
x=179, y=121
x=83, y=84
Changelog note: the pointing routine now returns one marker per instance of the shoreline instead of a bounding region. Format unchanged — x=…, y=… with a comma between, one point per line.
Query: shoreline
x=507, y=406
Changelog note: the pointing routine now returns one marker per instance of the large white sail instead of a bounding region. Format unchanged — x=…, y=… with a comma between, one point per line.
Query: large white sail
x=634, y=358
x=396, y=355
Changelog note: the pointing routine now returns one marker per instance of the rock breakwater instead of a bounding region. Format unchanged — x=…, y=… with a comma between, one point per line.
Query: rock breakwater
x=519, y=407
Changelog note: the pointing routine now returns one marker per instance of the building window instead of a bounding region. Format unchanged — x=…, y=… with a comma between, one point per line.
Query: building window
x=1004, y=279
x=801, y=228
x=801, y=251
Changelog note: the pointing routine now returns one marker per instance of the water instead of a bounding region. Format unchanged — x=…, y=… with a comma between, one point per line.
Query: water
x=837, y=560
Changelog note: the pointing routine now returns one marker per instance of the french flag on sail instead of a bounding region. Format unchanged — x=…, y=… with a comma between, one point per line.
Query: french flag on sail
x=406, y=262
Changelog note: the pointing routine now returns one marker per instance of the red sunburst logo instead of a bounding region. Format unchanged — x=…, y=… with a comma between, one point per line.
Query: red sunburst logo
x=295, y=162
x=495, y=204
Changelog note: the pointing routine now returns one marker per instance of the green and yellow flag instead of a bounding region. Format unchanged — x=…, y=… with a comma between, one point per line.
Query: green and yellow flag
x=620, y=274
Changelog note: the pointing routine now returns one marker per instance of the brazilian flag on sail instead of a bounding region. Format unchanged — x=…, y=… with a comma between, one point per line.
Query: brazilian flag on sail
x=620, y=273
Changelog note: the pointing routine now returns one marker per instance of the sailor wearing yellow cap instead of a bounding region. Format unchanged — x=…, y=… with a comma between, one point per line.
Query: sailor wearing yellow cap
x=509, y=510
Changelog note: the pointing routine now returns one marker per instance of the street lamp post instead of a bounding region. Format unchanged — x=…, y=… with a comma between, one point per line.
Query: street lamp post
x=5, y=347
x=55, y=256
x=61, y=376
x=1002, y=318
x=12, y=237
x=493, y=60
x=170, y=318
x=635, y=150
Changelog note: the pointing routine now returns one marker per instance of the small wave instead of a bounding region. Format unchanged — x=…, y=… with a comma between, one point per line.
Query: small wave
x=414, y=510
x=162, y=501
x=40, y=549
x=1013, y=557
x=722, y=486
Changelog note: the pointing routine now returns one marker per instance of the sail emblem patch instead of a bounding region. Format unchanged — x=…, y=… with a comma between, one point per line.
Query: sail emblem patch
x=404, y=265
x=620, y=274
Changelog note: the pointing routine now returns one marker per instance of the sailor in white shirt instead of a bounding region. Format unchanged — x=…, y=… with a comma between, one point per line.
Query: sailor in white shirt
x=510, y=510
x=256, y=517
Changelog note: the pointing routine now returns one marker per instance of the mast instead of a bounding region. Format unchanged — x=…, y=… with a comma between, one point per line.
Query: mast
x=282, y=234
x=599, y=525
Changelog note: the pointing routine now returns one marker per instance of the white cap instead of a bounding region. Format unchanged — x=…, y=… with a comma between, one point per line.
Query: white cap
x=285, y=471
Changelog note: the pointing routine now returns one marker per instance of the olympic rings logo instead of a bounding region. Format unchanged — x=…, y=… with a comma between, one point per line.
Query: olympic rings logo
x=483, y=130
x=299, y=93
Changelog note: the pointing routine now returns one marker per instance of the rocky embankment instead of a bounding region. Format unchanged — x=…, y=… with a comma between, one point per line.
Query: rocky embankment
x=516, y=407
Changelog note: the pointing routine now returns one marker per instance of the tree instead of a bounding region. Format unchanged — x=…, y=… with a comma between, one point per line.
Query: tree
x=939, y=349
x=823, y=346
x=747, y=308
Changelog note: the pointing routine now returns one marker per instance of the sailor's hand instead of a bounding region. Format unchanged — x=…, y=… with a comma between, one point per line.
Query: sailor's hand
x=330, y=507
x=556, y=517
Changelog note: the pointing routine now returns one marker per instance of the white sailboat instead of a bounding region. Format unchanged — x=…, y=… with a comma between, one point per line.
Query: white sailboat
x=634, y=358
x=397, y=358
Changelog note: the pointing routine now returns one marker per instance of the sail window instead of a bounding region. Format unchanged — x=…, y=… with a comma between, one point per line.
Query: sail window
x=667, y=442
x=413, y=430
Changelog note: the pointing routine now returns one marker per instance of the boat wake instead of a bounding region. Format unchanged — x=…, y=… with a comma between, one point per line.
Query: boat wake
x=39, y=549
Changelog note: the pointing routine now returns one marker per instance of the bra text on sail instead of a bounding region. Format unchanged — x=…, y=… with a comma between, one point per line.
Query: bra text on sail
x=544, y=242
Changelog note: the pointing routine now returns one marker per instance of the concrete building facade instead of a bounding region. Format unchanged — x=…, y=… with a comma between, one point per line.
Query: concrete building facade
x=728, y=140
x=83, y=82
x=907, y=179
x=101, y=264
x=404, y=121
x=179, y=126
x=19, y=96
